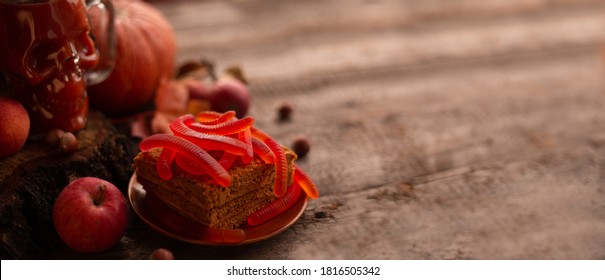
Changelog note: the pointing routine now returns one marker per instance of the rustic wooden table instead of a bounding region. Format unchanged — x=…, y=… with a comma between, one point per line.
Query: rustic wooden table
x=440, y=129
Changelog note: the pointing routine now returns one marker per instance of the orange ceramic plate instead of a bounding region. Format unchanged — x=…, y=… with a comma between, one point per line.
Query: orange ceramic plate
x=169, y=223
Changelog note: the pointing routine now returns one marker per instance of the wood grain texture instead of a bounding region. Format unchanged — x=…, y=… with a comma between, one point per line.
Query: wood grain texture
x=439, y=129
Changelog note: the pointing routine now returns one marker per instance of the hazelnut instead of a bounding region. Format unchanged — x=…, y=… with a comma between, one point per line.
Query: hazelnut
x=284, y=112
x=301, y=146
x=69, y=143
x=161, y=254
x=53, y=138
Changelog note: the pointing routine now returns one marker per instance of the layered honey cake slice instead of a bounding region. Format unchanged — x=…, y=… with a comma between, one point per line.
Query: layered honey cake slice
x=215, y=169
x=201, y=199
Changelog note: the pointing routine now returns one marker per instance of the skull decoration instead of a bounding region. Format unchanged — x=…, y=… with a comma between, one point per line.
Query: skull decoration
x=45, y=50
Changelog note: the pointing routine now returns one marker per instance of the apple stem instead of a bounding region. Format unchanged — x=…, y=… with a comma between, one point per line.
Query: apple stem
x=100, y=197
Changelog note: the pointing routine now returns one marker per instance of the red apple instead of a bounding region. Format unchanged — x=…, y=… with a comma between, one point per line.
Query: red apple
x=90, y=215
x=230, y=94
x=14, y=126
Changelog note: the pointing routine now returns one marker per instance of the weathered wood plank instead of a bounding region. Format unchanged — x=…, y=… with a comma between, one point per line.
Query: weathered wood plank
x=547, y=206
x=286, y=40
x=406, y=125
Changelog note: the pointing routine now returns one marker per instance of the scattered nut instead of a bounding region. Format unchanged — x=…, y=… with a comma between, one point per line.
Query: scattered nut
x=301, y=146
x=161, y=254
x=54, y=137
x=69, y=143
x=284, y=112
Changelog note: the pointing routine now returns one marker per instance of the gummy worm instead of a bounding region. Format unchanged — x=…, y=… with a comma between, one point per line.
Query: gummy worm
x=211, y=117
x=190, y=166
x=190, y=150
x=305, y=182
x=208, y=141
x=263, y=151
x=225, y=128
x=246, y=137
x=226, y=160
x=164, y=164
x=276, y=207
x=281, y=166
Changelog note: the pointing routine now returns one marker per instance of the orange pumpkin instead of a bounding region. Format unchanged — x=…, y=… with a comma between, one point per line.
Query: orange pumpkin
x=145, y=55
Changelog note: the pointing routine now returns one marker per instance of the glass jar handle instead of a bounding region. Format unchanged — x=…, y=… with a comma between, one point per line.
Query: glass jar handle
x=101, y=15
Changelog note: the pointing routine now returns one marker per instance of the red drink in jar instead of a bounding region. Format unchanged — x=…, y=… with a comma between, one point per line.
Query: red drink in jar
x=46, y=52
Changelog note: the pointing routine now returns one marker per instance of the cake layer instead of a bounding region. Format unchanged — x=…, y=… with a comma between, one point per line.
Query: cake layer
x=198, y=198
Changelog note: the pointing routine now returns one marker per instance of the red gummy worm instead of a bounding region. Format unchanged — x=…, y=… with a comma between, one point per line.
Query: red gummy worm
x=305, y=182
x=190, y=166
x=226, y=160
x=276, y=207
x=207, y=116
x=211, y=117
x=281, y=166
x=164, y=164
x=225, y=128
x=246, y=137
x=207, y=141
x=263, y=151
x=190, y=150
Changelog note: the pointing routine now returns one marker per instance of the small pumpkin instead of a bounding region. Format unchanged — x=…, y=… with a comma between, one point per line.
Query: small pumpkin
x=145, y=55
